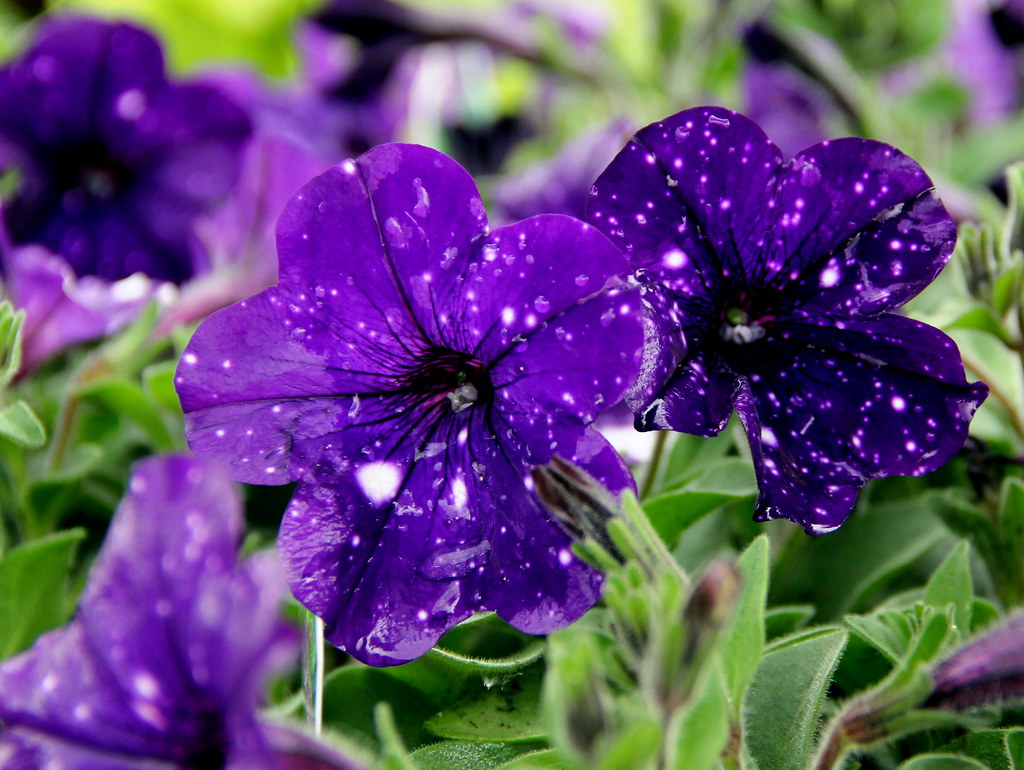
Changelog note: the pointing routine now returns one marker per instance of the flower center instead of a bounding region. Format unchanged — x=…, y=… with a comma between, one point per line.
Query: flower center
x=92, y=171
x=449, y=375
x=738, y=329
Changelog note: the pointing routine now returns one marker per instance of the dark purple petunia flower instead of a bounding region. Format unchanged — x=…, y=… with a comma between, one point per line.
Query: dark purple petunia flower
x=408, y=371
x=112, y=162
x=767, y=288
x=165, y=662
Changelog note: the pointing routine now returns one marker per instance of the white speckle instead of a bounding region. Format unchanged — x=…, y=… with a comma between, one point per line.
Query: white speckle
x=460, y=495
x=829, y=277
x=898, y=403
x=565, y=557
x=508, y=315
x=674, y=259
x=145, y=685
x=130, y=104
x=190, y=359
x=768, y=437
x=379, y=481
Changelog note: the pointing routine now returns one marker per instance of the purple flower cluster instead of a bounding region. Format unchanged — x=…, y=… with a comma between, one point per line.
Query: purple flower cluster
x=768, y=288
x=165, y=662
x=410, y=368
x=408, y=371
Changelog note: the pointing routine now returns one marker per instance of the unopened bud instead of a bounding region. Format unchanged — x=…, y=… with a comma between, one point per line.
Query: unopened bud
x=578, y=502
x=988, y=670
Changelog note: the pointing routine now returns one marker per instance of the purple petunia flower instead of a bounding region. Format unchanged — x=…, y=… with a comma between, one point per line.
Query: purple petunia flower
x=62, y=309
x=408, y=371
x=113, y=163
x=165, y=662
x=767, y=288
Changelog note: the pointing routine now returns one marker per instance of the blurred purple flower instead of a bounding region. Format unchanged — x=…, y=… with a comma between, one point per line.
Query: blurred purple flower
x=788, y=104
x=767, y=288
x=166, y=660
x=112, y=163
x=989, y=69
x=989, y=669
x=286, y=149
x=62, y=309
x=408, y=371
x=561, y=185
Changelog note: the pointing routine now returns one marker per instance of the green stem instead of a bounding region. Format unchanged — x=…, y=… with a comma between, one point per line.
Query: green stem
x=652, y=467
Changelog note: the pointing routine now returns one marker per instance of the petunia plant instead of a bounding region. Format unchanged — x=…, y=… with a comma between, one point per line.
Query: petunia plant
x=432, y=409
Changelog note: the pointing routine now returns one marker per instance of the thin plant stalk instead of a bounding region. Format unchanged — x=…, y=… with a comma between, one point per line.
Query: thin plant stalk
x=313, y=672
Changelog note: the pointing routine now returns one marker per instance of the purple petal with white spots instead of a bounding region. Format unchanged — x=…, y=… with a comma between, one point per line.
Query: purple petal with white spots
x=696, y=399
x=868, y=400
x=166, y=658
x=394, y=555
x=684, y=199
x=859, y=229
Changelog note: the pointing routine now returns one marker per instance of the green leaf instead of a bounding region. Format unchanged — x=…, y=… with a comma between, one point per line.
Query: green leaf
x=351, y=694
x=942, y=762
x=786, y=619
x=868, y=561
x=19, y=424
x=33, y=586
x=743, y=641
x=889, y=631
x=692, y=455
x=505, y=713
x=703, y=727
x=158, y=384
x=983, y=319
x=539, y=760
x=636, y=746
x=990, y=747
x=468, y=755
x=123, y=396
x=1006, y=292
x=785, y=700
x=10, y=342
x=723, y=481
x=951, y=584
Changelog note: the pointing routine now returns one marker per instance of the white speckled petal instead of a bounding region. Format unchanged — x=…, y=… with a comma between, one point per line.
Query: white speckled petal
x=859, y=229
x=876, y=398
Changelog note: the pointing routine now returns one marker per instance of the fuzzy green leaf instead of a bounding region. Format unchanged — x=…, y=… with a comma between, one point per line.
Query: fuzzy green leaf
x=743, y=640
x=785, y=700
x=951, y=584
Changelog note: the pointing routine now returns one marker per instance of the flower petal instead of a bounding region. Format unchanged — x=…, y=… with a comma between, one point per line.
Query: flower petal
x=874, y=399
x=859, y=229
x=527, y=274
x=696, y=399
x=685, y=199
x=398, y=213
x=167, y=655
x=300, y=369
x=394, y=555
